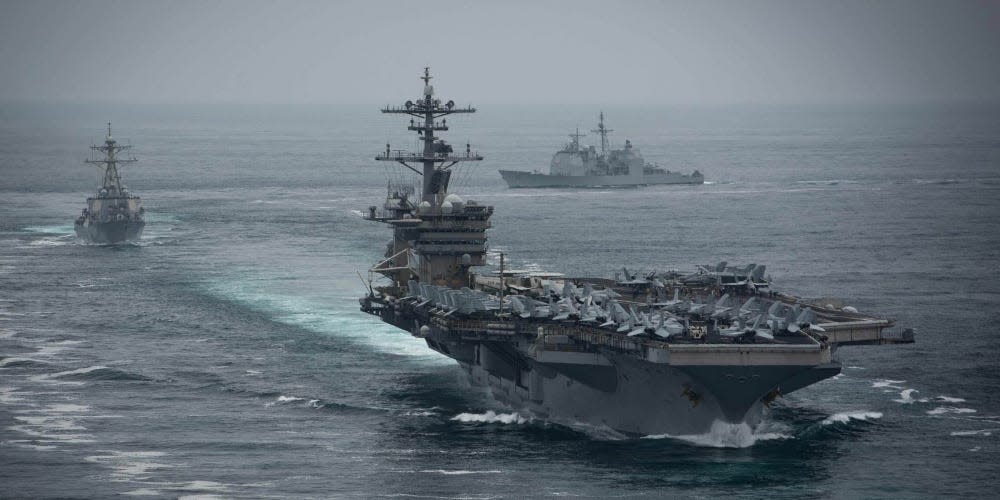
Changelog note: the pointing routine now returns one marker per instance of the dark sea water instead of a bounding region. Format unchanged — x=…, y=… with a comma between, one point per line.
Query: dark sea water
x=225, y=355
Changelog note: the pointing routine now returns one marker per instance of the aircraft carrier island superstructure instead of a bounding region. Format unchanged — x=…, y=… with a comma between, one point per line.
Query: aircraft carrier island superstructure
x=114, y=215
x=660, y=353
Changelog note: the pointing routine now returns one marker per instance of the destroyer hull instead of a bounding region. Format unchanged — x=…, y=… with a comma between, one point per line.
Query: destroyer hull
x=520, y=179
x=620, y=391
x=110, y=233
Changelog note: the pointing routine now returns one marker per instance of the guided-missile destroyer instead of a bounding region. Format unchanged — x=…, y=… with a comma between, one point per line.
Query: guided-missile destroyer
x=650, y=354
x=114, y=215
x=578, y=166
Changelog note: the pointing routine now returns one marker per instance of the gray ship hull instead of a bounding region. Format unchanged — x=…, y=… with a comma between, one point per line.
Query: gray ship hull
x=636, y=397
x=633, y=396
x=520, y=179
x=110, y=233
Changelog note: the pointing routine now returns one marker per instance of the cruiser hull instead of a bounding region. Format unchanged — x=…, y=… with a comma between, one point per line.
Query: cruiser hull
x=520, y=179
x=110, y=233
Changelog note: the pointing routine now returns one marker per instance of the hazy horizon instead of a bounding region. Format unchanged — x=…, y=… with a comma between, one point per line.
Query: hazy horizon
x=699, y=54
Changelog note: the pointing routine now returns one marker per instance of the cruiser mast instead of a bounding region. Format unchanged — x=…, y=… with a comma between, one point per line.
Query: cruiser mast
x=437, y=157
x=604, y=134
x=576, y=139
x=112, y=180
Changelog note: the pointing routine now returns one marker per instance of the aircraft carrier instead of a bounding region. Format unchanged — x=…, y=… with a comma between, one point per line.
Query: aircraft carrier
x=658, y=353
x=578, y=166
x=114, y=215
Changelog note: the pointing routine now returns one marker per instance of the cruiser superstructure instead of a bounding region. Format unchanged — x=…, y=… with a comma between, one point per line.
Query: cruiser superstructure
x=578, y=166
x=113, y=215
x=657, y=353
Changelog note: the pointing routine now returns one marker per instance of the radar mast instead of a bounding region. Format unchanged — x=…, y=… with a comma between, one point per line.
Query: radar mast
x=603, y=133
x=438, y=156
x=112, y=180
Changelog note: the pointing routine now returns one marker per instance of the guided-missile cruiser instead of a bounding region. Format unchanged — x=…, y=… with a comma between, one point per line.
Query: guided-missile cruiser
x=113, y=215
x=643, y=353
x=579, y=166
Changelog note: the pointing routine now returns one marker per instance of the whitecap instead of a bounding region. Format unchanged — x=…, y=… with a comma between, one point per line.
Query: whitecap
x=892, y=384
x=129, y=465
x=942, y=410
x=57, y=423
x=48, y=377
x=17, y=360
x=490, y=417
x=288, y=399
x=460, y=472
x=981, y=432
x=66, y=408
x=10, y=395
x=845, y=417
x=906, y=397
x=419, y=414
x=49, y=436
x=143, y=492
x=949, y=399
x=31, y=445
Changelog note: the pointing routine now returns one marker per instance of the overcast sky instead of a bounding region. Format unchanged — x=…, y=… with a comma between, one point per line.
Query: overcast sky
x=692, y=52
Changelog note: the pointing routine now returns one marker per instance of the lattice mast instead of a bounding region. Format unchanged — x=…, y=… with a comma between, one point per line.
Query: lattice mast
x=603, y=133
x=438, y=157
x=112, y=180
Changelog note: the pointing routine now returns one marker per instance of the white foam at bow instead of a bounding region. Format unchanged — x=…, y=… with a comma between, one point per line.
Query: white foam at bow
x=727, y=435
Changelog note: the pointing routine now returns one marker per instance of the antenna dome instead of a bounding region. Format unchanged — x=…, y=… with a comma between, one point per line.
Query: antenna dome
x=446, y=207
x=453, y=198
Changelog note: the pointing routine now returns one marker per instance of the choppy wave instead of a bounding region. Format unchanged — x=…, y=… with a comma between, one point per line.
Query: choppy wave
x=90, y=373
x=129, y=465
x=906, y=397
x=981, y=432
x=888, y=384
x=949, y=399
x=17, y=361
x=490, y=417
x=846, y=417
x=460, y=472
x=728, y=435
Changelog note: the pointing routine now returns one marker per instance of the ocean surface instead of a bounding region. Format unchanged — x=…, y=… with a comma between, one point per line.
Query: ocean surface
x=225, y=355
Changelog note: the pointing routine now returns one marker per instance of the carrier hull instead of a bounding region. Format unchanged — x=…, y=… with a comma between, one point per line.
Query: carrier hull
x=625, y=392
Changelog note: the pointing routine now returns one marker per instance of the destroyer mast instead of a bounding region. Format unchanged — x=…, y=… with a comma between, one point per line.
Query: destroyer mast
x=114, y=215
x=441, y=237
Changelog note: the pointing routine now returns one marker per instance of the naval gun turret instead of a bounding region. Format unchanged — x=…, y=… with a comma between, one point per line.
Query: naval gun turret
x=114, y=215
x=437, y=238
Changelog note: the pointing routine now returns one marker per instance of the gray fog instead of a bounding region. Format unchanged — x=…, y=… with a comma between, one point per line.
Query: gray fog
x=697, y=53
